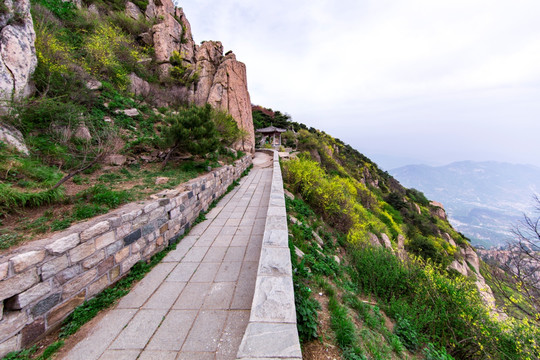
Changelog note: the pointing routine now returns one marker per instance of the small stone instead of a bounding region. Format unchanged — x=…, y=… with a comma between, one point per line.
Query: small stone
x=23, y=261
x=134, y=236
x=133, y=10
x=63, y=310
x=79, y=283
x=68, y=274
x=32, y=332
x=53, y=267
x=83, y=133
x=317, y=238
x=93, y=260
x=128, y=112
x=98, y=285
x=46, y=304
x=81, y=252
x=95, y=230
x=116, y=159
x=93, y=84
x=64, y=244
x=25, y=298
x=105, y=240
x=18, y=283
x=121, y=255
x=12, y=323
x=162, y=180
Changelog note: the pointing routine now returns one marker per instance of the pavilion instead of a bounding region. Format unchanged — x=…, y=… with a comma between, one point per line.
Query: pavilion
x=271, y=132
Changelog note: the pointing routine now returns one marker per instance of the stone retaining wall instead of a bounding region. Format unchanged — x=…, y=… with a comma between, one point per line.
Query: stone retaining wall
x=271, y=332
x=42, y=282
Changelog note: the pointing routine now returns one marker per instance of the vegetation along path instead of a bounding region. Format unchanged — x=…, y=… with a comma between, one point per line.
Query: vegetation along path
x=196, y=303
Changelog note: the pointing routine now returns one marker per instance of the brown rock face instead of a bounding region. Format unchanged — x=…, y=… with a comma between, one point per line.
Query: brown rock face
x=17, y=52
x=222, y=79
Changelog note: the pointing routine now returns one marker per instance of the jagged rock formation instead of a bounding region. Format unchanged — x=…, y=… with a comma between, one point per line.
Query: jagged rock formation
x=17, y=52
x=222, y=79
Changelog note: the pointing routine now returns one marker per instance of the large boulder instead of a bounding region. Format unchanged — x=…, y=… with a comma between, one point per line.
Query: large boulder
x=13, y=138
x=17, y=52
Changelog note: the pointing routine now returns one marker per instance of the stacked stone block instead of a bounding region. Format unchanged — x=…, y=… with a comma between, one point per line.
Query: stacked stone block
x=43, y=282
x=271, y=332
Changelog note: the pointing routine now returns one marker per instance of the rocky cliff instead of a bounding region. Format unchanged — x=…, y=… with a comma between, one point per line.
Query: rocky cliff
x=214, y=78
x=222, y=80
x=17, y=53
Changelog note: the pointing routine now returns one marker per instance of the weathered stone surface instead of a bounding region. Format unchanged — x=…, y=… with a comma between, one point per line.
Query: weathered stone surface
x=133, y=10
x=67, y=274
x=61, y=311
x=95, y=230
x=32, y=332
x=78, y=283
x=128, y=112
x=273, y=300
x=129, y=262
x=472, y=258
x=82, y=251
x=161, y=180
x=438, y=209
x=138, y=86
x=299, y=252
x=25, y=298
x=223, y=84
x=9, y=345
x=13, y=138
x=449, y=239
x=18, y=283
x=82, y=133
x=98, y=286
x=64, y=244
x=23, y=261
x=12, y=323
x=17, y=52
x=374, y=240
x=134, y=236
x=275, y=261
x=105, y=240
x=116, y=159
x=263, y=340
x=386, y=241
x=54, y=266
x=4, y=267
x=93, y=84
x=46, y=304
x=93, y=260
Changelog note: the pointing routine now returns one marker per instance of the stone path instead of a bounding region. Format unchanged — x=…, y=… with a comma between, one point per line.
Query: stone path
x=195, y=304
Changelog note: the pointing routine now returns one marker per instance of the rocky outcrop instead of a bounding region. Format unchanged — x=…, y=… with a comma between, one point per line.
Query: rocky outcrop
x=172, y=33
x=223, y=84
x=17, y=52
x=13, y=138
x=222, y=80
x=437, y=209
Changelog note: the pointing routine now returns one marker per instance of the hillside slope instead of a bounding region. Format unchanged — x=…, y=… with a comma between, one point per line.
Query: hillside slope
x=366, y=247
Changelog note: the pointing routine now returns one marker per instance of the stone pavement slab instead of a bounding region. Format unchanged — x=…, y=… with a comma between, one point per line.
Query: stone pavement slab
x=196, y=303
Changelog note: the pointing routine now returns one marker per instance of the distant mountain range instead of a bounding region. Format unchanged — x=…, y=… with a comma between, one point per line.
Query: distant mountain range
x=484, y=200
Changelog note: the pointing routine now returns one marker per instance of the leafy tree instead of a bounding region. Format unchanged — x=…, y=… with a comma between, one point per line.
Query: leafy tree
x=191, y=130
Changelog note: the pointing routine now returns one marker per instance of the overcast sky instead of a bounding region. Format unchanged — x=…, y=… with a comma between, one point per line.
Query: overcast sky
x=409, y=81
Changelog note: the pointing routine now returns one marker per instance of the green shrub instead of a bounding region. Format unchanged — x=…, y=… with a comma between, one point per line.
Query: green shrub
x=432, y=353
x=407, y=333
x=191, y=130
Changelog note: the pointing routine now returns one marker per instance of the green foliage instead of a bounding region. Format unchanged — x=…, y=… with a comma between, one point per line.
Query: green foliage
x=191, y=130
x=407, y=333
x=306, y=312
x=11, y=198
x=9, y=239
x=62, y=9
x=226, y=126
x=432, y=353
x=182, y=72
x=102, y=195
x=417, y=196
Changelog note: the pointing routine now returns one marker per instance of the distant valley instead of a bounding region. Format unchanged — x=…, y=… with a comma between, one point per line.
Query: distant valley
x=483, y=199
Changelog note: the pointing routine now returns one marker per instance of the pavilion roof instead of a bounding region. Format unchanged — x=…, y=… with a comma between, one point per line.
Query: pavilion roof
x=271, y=129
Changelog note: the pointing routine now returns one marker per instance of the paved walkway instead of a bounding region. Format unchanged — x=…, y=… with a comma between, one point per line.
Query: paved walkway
x=195, y=304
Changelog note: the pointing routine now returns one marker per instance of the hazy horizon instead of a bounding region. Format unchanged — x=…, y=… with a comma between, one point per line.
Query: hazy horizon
x=432, y=81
